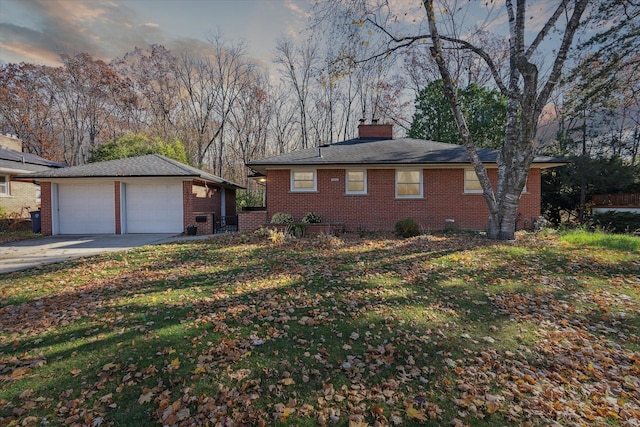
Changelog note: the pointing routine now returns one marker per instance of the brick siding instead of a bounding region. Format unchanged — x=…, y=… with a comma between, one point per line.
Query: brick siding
x=379, y=210
x=251, y=220
x=22, y=199
x=46, y=222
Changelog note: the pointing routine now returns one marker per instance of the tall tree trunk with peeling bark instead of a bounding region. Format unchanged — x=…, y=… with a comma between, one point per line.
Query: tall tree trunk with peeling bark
x=526, y=97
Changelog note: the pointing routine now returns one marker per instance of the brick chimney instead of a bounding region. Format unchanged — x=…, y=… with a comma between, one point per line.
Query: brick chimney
x=11, y=142
x=375, y=130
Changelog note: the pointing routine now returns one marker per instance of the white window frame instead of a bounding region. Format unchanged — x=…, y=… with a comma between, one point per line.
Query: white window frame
x=475, y=179
x=303, y=189
x=364, y=182
x=420, y=184
x=5, y=187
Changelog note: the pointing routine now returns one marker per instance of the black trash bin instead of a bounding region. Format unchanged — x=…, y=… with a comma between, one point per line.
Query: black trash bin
x=35, y=222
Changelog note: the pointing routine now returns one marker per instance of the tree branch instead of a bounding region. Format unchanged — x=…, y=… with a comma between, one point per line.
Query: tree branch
x=547, y=27
x=407, y=41
x=554, y=76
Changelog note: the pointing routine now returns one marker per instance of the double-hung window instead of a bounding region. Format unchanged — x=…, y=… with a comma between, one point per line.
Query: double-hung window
x=408, y=184
x=471, y=182
x=4, y=185
x=303, y=180
x=356, y=182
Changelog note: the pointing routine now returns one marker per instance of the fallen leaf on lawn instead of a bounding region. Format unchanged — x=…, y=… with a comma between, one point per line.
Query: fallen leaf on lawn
x=416, y=414
x=20, y=372
x=492, y=407
x=75, y=372
x=106, y=398
x=145, y=397
x=287, y=381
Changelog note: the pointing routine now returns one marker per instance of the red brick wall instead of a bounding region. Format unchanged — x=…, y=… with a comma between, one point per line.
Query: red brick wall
x=444, y=198
x=188, y=202
x=46, y=223
x=251, y=220
x=205, y=201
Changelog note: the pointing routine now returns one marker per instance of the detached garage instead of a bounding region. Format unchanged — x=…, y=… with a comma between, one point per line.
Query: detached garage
x=146, y=194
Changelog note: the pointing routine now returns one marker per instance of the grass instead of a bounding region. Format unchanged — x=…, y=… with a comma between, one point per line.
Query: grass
x=622, y=242
x=433, y=330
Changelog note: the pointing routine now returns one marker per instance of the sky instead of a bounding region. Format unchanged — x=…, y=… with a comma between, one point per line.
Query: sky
x=37, y=31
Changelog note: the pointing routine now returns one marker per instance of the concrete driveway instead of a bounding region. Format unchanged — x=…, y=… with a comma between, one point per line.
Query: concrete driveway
x=47, y=250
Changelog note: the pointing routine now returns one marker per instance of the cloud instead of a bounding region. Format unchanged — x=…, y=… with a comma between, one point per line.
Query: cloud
x=103, y=29
x=297, y=10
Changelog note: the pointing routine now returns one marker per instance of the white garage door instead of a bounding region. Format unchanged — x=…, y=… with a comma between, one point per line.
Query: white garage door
x=86, y=208
x=153, y=207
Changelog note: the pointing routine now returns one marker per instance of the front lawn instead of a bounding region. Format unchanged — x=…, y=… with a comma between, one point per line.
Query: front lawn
x=238, y=330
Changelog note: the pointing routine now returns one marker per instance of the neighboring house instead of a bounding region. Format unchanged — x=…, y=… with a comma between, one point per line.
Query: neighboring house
x=145, y=194
x=18, y=198
x=371, y=182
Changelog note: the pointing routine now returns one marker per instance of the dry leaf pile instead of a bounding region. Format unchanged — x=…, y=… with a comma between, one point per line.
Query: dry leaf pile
x=449, y=330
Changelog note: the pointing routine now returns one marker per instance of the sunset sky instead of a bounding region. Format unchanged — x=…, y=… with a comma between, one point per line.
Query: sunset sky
x=37, y=31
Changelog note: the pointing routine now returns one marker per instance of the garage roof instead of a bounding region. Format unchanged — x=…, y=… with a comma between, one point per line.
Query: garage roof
x=151, y=165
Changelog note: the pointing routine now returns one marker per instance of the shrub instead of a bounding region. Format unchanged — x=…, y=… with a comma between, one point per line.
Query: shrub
x=312, y=218
x=618, y=222
x=296, y=229
x=407, y=228
x=282, y=218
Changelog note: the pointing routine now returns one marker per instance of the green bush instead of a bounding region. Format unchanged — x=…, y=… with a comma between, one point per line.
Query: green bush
x=296, y=229
x=617, y=222
x=407, y=228
x=281, y=218
x=312, y=218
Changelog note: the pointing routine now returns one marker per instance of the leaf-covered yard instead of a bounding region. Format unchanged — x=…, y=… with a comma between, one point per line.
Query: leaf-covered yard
x=237, y=330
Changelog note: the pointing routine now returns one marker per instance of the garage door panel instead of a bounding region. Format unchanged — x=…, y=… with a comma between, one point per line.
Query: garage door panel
x=86, y=208
x=154, y=207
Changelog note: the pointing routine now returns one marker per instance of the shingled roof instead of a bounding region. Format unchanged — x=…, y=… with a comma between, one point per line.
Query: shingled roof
x=402, y=151
x=16, y=160
x=151, y=165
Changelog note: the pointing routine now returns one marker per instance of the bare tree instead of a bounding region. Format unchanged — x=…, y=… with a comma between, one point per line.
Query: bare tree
x=153, y=77
x=282, y=124
x=248, y=128
x=211, y=82
x=298, y=67
x=26, y=108
x=87, y=96
x=528, y=82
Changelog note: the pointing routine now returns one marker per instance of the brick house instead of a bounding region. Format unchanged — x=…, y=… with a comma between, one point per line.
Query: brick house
x=144, y=194
x=371, y=182
x=18, y=198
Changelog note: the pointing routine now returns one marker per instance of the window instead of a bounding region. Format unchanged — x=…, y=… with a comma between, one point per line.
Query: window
x=38, y=194
x=408, y=184
x=4, y=185
x=303, y=181
x=356, y=182
x=471, y=182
